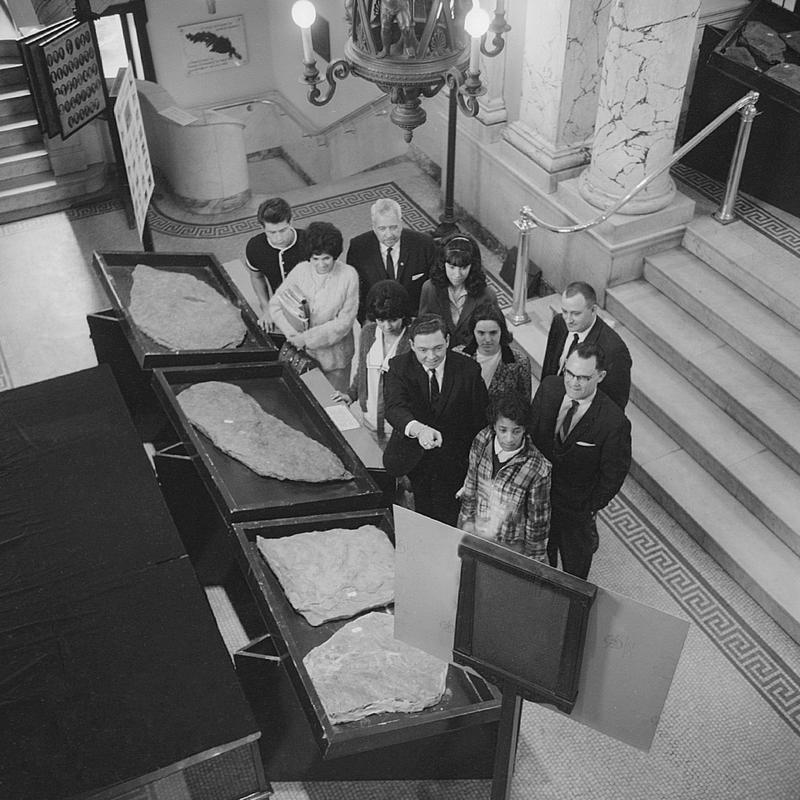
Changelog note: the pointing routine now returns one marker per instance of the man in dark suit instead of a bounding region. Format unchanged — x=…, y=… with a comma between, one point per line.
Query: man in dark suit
x=587, y=438
x=579, y=322
x=435, y=401
x=390, y=251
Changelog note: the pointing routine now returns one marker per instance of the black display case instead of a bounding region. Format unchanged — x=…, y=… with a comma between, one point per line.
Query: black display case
x=771, y=170
x=132, y=355
x=454, y=739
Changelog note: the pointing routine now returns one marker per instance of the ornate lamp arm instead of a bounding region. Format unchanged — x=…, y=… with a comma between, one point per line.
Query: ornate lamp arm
x=468, y=89
x=498, y=27
x=337, y=70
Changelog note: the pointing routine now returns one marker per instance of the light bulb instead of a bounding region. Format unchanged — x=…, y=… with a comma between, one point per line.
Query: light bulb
x=304, y=13
x=476, y=22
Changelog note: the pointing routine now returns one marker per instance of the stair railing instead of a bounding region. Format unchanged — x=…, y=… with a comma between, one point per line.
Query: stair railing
x=528, y=221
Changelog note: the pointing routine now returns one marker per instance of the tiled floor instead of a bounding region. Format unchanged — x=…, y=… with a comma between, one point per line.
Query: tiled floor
x=731, y=725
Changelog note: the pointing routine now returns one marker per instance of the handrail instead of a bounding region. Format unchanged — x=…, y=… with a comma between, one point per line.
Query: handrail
x=374, y=103
x=528, y=220
x=749, y=99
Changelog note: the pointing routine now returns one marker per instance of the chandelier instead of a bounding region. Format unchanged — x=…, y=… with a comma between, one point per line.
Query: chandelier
x=409, y=49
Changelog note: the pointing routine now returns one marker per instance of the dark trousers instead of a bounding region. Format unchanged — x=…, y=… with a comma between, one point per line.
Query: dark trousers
x=571, y=538
x=435, y=482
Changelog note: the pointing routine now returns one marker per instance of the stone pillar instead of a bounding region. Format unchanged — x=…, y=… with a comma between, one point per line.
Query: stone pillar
x=564, y=45
x=644, y=76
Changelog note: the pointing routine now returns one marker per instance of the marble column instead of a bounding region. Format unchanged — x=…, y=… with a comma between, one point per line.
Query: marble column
x=564, y=45
x=644, y=74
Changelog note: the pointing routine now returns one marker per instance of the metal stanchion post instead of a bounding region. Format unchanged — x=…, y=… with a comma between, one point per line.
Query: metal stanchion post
x=518, y=315
x=726, y=213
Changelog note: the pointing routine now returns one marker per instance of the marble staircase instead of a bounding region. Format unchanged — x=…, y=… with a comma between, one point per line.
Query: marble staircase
x=714, y=332
x=28, y=185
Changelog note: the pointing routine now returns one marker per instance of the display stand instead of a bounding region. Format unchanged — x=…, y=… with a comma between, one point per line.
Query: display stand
x=501, y=590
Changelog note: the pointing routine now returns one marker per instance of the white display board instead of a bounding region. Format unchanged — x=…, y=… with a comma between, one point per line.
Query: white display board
x=631, y=651
x=133, y=142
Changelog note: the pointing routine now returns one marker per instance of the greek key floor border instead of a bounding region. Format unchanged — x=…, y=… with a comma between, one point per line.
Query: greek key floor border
x=753, y=215
x=754, y=659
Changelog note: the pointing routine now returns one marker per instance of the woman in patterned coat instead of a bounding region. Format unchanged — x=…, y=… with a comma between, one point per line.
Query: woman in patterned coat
x=505, y=368
x=506, y=494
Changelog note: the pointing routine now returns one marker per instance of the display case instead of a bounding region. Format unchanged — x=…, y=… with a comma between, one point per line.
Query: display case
x=132, y=355
x=741, y=56
x=239, y=493
x=455, y=738
x=771, y=170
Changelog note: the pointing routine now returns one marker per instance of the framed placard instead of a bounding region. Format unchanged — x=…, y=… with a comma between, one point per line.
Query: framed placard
x=213, y=45
x=75, y=77
x=133, y=143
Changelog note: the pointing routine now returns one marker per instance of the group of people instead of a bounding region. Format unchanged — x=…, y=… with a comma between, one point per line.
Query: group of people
x=446, y=391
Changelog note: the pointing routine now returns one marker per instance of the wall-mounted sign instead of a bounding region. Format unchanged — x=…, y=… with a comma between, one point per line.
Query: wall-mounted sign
x=213, y=45
x=75, y=77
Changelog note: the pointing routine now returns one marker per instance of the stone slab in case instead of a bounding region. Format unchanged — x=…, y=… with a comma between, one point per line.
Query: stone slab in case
x=115, y=271
x=455, y=738
x=239, y=493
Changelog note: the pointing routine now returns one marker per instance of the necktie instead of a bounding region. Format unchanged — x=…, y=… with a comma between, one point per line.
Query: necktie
x=434, y=387
x=389, y=264
x=572, y=346
x=563, y=431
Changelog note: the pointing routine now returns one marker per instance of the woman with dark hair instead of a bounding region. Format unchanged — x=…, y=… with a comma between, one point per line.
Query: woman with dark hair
x=316, y=305
x=505, y=367
x=506, y=493
x=383, y=337
x=457, y=286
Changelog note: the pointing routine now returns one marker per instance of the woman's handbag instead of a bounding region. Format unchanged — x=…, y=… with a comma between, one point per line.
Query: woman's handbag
x=296, y=358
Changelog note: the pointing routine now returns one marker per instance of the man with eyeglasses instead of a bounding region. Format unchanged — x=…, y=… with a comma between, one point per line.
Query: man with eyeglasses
x=579, y=322
x=587, y=438
x=273, y=253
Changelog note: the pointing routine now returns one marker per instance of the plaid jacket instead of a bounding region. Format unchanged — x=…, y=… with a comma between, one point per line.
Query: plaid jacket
x=514, y=506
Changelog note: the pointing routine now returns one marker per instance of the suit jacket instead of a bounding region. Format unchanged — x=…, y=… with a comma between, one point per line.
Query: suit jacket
x=589, y=468
x=459, y=414
x=436, y=300
x=417, y=255
x=617, y=383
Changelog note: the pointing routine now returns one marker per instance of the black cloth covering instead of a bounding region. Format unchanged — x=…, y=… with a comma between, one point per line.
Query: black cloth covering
x=111, y=665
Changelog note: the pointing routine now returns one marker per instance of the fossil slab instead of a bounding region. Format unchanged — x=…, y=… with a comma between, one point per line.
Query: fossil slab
x=333, y=574
x=183, y=313
x=362, y=669
x=239, y=426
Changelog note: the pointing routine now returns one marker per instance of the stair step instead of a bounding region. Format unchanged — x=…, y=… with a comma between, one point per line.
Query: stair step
x=748, y=551
x=754, y=262
x=31, y=192
x=19, y=130
x=762, y=337
x=32, y=161
x=11, y=71
x=737, y=460
x=752, y=398
x=15, y=101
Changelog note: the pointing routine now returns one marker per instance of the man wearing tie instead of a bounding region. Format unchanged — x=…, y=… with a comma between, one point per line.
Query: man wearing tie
x=435, y=400
x=390, y=251
x=587, y=439
x=579, y=322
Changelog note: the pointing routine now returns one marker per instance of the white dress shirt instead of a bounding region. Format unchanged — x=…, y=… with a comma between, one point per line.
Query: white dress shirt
x=570, y=338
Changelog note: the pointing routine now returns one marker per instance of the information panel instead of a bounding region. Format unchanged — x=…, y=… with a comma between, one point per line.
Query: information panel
x=134, y=144
x=75, y=77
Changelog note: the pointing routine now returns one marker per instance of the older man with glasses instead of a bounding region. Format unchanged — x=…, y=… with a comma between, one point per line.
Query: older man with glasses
x=587, y=438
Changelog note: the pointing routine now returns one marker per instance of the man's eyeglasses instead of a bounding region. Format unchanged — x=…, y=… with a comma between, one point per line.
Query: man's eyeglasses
x=581, y=379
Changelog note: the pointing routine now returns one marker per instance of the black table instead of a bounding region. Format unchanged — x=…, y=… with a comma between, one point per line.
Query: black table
x=113, y=674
